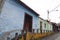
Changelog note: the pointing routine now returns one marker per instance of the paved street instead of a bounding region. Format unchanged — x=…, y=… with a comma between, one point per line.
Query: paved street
x=52, y=37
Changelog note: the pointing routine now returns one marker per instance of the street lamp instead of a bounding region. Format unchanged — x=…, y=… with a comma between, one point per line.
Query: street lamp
x=49, y=13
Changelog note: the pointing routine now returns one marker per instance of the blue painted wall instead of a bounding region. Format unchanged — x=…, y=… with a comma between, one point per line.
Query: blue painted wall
x=12, y=17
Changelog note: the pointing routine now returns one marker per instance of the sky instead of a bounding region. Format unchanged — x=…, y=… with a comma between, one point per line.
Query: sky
x=41, y=7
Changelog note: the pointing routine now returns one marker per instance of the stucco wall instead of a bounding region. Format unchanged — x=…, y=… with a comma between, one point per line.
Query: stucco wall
x=48, y=25
x=12, y=17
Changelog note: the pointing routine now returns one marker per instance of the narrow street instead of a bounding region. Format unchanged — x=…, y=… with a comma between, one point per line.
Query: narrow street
x=52, y=37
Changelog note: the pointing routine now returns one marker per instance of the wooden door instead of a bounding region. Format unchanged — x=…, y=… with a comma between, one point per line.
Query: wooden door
x=28, y=23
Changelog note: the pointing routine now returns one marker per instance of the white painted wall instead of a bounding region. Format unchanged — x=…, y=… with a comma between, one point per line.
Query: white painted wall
x=48, y=25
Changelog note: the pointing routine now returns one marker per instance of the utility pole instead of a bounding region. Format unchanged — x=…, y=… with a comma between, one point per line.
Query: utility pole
x=48, y=15
x=48, y=12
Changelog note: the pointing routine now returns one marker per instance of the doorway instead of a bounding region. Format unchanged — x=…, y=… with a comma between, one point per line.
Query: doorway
x=27, y=23
x=40, y=27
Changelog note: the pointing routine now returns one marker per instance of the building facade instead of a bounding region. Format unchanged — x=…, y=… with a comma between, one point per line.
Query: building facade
x=15, y=15
x=55, y=27
x=44, y=26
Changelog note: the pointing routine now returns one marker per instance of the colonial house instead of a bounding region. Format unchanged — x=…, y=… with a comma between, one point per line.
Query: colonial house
x=44, y=26
x=55, y=27
x=50, y=26
x=16, y=16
